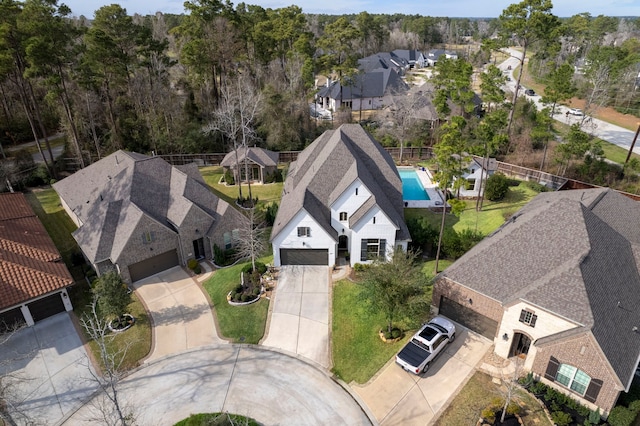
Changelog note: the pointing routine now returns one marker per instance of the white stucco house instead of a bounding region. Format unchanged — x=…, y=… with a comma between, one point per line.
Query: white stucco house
x=343, y=195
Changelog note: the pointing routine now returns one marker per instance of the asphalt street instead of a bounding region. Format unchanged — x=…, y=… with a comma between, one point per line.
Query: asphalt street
x=601, y=129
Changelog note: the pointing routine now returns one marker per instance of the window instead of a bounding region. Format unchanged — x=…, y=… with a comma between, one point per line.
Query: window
x=304, y=231
x=227, y=240
x=356, y=191
x=528, y=317
x=343, y=216
x=372, y=248
x=576, y=380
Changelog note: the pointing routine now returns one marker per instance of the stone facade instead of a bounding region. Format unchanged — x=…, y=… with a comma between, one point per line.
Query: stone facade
x=583, y=352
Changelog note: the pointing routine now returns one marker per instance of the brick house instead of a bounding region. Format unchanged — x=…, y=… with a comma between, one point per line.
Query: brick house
x=33, y=278
x=558, y=285
x=140, y=215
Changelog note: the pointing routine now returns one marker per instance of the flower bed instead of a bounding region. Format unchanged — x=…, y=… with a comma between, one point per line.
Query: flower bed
x=122, y=323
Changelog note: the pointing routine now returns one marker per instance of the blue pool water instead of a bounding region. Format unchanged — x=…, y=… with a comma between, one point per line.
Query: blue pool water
x=412, y=188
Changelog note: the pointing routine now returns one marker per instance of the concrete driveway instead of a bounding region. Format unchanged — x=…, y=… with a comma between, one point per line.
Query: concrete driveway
x=299, y=321
x=180, y=313
x=51, y=372
x=271, y=387
x=397, y=397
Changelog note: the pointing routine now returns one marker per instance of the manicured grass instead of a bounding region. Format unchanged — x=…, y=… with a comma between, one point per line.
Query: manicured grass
x=138, y=337
x=46, y=205
x=615, y=153
x=358, y=353
x=243, y=324
x=266, y=193
x=477, y=394
x=429, y=267
x=486, y=221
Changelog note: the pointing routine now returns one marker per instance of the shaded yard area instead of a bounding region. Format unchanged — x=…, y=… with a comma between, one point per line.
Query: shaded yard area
x=478, y=393
x=239, y=324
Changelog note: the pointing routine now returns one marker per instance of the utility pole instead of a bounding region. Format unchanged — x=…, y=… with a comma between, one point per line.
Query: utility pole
x=635, y=138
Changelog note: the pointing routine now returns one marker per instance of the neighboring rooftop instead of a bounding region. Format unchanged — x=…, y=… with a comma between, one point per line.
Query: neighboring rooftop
x=575, y=254
x=30, y=264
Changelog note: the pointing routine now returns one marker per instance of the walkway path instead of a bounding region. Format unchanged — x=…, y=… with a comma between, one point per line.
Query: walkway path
x=268, y=386
x=180, y=313
x=606, y=131
x=299, y=320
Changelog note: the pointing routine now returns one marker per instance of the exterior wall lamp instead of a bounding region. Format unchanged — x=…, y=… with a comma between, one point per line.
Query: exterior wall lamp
x=505, y=337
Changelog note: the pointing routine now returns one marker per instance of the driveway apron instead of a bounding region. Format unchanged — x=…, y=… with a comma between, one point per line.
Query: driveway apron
x=271, y=387
x=397, y=397
x=51, y=369
x=299, y=320
x=182, y=317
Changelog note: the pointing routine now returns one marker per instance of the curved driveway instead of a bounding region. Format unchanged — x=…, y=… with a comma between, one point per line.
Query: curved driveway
x=268, y=386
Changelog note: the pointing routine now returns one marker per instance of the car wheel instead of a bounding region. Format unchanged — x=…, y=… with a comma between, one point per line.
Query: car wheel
x=452, y=338
x=425, y=368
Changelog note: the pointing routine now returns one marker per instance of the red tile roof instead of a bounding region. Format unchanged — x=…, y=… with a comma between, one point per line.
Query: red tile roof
x=30, y=264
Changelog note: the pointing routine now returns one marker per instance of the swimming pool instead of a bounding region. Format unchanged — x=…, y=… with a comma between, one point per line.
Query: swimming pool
x=412, y=188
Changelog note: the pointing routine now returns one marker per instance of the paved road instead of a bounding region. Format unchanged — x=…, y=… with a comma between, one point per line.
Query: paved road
x=601, y=129
x=271, y=387
x=51, y=368
x=299, y=320
x=180, y=313
x=397, y=397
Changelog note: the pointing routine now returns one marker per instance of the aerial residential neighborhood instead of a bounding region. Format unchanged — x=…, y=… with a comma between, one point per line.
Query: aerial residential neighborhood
x=236, y=214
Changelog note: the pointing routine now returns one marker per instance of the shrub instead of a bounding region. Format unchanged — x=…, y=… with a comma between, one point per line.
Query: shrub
x=112, y=294
x=192, y=263
x=594, y=417
x=621, y=416
x=360, y=267
x=561, y=419
x=513, y=408
x=270, y=214
x=489, y=415
x=538, y=187
x=395, y=333
x=260, y=267
x=228, y=178
x=244, y=297
x=496, y=187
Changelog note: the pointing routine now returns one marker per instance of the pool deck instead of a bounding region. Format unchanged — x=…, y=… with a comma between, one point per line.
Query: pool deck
x=436, y=200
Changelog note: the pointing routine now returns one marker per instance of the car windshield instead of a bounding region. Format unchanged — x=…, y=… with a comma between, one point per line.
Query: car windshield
x=440, y=328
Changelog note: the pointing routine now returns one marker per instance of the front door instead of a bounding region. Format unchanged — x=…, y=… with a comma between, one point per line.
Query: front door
x=343, y=243
x=198, y=248
x=520, y=346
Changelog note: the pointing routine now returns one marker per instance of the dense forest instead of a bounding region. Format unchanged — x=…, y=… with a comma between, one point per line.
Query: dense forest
x=222, y=75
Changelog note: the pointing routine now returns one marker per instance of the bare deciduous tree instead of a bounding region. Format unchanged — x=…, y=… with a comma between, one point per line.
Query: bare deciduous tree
x=110, y=408
x=252, y=237
x=10, y=401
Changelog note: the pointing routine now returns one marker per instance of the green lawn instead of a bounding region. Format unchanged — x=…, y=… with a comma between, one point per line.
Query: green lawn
x=59, y=226
x=244, y=324
x=493, y=214
x=266, y=193
x=615, y=153
x=358, y=352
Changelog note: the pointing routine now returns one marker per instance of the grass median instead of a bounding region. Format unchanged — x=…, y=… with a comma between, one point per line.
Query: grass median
x=239, y=324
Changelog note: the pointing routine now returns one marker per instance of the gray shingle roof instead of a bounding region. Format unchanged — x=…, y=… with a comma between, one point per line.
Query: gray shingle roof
x=376, y=83
x=325, y=169
x=111, y=196
x=260, y=156
x=573, y=253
